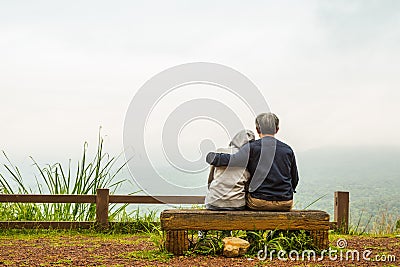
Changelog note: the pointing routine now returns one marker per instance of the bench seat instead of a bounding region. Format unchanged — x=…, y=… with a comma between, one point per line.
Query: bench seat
x=177, y=222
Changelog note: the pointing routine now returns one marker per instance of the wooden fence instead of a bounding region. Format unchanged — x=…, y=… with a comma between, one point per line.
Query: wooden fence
x=103, y=198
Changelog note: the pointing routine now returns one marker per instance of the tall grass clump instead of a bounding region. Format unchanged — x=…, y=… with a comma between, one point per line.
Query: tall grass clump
x=385, y=224
x=86, y=178
x=381, y=224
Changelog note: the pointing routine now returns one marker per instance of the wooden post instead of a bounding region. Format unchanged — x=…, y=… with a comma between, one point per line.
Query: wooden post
x=320, y=238
x=102, y=201
x=341, y=214
x=177, y=242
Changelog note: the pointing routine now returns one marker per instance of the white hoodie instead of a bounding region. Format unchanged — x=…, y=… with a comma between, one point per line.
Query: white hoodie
x=227, y=185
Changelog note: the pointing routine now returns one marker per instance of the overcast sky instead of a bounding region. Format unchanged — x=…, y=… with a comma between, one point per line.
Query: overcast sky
x=329, y=69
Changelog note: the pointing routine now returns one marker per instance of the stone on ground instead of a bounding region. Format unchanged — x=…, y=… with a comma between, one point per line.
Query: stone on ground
x=234, y=246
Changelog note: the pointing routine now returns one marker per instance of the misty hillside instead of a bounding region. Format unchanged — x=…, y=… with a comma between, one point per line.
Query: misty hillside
x=351, y=165
x=370, y=174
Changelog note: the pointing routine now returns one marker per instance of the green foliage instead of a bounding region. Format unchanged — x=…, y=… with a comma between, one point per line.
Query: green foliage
x=209, y=245
x=135, y=222
x=279, y=240
x=212, y=244
x=100, y=172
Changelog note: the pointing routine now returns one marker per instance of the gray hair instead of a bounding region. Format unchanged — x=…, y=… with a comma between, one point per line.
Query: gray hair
x=267, y=123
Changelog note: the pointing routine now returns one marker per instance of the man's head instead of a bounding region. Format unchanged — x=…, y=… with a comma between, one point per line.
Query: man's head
x=267, y=124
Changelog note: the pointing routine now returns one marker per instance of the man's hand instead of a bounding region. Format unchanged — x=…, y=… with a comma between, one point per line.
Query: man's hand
x=211, y=157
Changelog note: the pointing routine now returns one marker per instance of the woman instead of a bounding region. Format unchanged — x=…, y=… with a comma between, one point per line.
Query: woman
x=226, y=185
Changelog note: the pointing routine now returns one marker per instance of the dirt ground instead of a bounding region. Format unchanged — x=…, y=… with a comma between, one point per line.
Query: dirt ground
x=124, y=250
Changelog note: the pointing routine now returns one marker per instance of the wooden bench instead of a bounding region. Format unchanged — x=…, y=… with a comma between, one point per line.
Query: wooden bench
x=177, y=222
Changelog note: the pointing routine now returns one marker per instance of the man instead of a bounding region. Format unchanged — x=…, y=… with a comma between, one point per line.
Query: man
x=272, y=167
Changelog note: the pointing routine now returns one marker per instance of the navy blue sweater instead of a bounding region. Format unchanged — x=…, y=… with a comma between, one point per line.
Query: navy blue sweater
x=272, y=166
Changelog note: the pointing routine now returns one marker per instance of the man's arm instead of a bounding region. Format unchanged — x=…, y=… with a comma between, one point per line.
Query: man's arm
x=239, y=159
x=294, y=174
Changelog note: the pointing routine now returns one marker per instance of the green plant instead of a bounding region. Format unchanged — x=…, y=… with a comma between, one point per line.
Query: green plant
x=357, y=229
x=315, y=201
x=208, y=245
x=280, y=240
x=134, y=222
x=212, y=244
x=100, y=172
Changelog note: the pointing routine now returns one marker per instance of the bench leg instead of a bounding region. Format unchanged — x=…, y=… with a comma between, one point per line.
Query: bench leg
x=177, y=242
x=320, y=238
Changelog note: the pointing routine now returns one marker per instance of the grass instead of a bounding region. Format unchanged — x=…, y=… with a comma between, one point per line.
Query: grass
x=384, y=224
x=381, y=224
x=99, y=172
x=138, y=246
x=211, y=243
x=150, y=255
x=90, y=240
x=280, y=240
x=89, y=174
x=135, y=221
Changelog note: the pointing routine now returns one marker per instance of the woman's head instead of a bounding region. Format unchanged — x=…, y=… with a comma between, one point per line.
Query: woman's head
x=242, y=138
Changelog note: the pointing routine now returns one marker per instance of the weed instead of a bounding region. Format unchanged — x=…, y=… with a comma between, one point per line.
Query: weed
x=63, y=261
x=208, y=245
x=358, y=229
x=384, y=224
x=279, y=240
x=150, y=255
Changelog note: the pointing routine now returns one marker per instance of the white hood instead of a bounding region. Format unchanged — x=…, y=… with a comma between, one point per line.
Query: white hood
x=242, y=138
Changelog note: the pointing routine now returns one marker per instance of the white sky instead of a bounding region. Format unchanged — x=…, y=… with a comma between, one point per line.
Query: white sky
x=329, y=69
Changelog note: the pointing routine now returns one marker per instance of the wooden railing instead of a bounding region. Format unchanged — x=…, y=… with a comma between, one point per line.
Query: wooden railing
x=103, y=198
